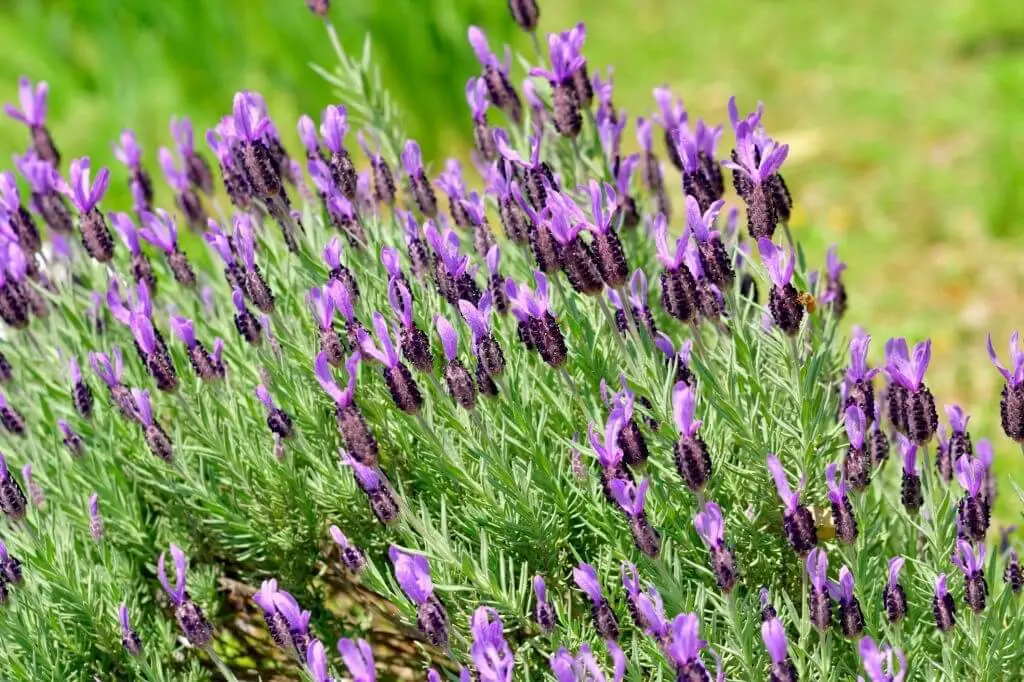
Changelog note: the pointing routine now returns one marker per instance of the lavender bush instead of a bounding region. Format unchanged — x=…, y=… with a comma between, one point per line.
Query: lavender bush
x=557, y=421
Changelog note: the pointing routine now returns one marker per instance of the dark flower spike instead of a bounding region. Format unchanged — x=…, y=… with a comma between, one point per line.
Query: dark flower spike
x=857, y=462
x=294, y=621
x=156, y=438
x=10, y=567
x=412, y=572
x=851, y=619
x=710, y=527
x=95, y=519
x=419, y=185
x=142, y=271
x=245, y=322
x=960, y=440
x=785, y=307
x=610, y=256
x=156, y=358
x=12, y=498
x=190, y=618
x=277, y=625
x=859, y=389
x=678, y=287
x=894, y=598
x=278, y=420
x=186, y=199
x=85, y=195
x=404, y=391
x=450, y=182
x=879, y=664
x=693, y=462
x=973, y=511
x=196, y=168
x=129, y=638
x=681, y=359
x=605, y=622
x=457, y=377
x=72, y=441
x=798, y=522
x=161, y=231
x=842, y=511
x=415, y=344
x=971, y=562
x=773, y=634
x=485, y=346
x=33, y=115
x=1013, y=574
x=544, y=612
x=208, y=366
x=476, y=96
x=81, y=393
x=913, y=401
x=756, y=162
x=1011, y=406
x=256, y=287
x=713, y=258
x=11, y=419
x=943, y=606
x=351, y=556
x=19, y=220
x=495, y=74
x=631, y=498
x=565, y=62
x=910, y=486
x=819, y=606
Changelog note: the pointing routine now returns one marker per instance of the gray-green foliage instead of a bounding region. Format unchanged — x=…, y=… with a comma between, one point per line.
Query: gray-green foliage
x=489, y=496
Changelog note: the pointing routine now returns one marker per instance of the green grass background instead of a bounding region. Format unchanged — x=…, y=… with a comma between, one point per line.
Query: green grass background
x=906, y=119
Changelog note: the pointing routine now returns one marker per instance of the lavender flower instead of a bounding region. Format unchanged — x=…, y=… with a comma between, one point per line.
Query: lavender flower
x=971, y=562
x=857, y=462
x=783, y=301
x=72, y=441
x=452, y=273
x=605, y=622
x=129, y=638
x=358, y=658
x=538, y=176
x=10, y=567
x=630, y=498
x=316, y=657
x=495, y=75
x=353, y=429
x=878, y=664
x=404, y=391
x=910, y=485
x=190, y=617
x=383, y=178
x=959, y=444
x=11, y=419
x=485, y=346
x=679, y=360
x=34, y=491
x=12, y=499
x=672, y=117
x=565, y=61
x=491, y=654
x=851, y=619
x=33, y=114
x=525, y=13
x=414, y=342
x=161, y=231
x=208, y=366
x=277, y=625
x=859, y=389
x=1013, y=575
x=278, y=421
x=81, y=393
x=47, y=200
x=943, y=607
x=798, y=522
x=85, y=195
x=713, y=258
x=18, y=219
x=185, y=197
x=773, y=633
x=544, y=612
x=1011, y=406
x=295, y=622
x=156, y=438
x=973, y=511
x=538, y=327
x=412, y=571
x=578, y=260
x=339, y=272
x=911, y=404
x=684, y=648
x=710, y=527
x=834, y=295
x=245, y=322
x=419, y=185
x=610, y=256
x=842, y=511
x=755, y=164
x=693, y=462
x=650, y=166
x=250, y=150
x=457, y=378
x=818, y=604
x=894, y=597
x=678, y=287
x=196, y=168
x=373, y=483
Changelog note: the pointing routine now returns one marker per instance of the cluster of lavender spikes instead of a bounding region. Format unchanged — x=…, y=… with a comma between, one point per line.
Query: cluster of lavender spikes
x=556, y=221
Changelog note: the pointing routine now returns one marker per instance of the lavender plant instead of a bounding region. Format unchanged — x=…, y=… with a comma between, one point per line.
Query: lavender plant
x=330, y=463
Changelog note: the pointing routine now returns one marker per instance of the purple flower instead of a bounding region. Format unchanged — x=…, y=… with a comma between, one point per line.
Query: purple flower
x=183, y=328
x=358, y=658
x=264, y=597
x=836, y=490
x=401, y=302
x=143, y=408
x=780, y=268
x=342, y=299
x=449, y=337
x=527, y=302
x=895, y=566
x=322, y=305
x=412, y=571
x=957, y=418
x=644, y=137
x=160, y=230
x=686, y=644
x=609, y=454
x=297, y=618
x=602, y=205
x=856, y=426
x=585, y=578
x=563, y=666
x=32, y=101
x=673, y=113
x=450, y=181
x=652, y=612
x=906, y=370
x=509, y=154
x=756, y=161
x=334, y=127
x=702, y=225
x=859, y=370
x=478, y=316
x=625, y=171
x=842, y=591
x=476, y=95
x=177, y=178
x=332, y=253
x=941, y=588
x=181, y=130
x=565, y=59
x=307, y=133
x=412, y=158
x=316, y=661
x=664, y=344
x=490, y=652
x=95, y=520
x=908, y=451
x=878, y=664
x=40, y=174
x=83, y=193
x=10, y=201
x=817, y=569
x=970, y=560
x=970, y=473
x=478, y=41
x=109, y=371
x=684, y=407
x=631, y=497
x=389, y=257
x=176, y=593
x=126, y=228
x=710, y=525
x=142, y=330
x=774, y=635
x=323, y=375
x=671, y=259
x=1016, y=376
x=248, y=117
x=385, y=353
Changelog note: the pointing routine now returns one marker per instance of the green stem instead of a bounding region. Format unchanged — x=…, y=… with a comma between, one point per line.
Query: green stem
x=737, y=626
x=224, y=670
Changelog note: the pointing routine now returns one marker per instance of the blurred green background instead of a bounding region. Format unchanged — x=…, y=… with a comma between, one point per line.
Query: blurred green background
x=906, y=119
